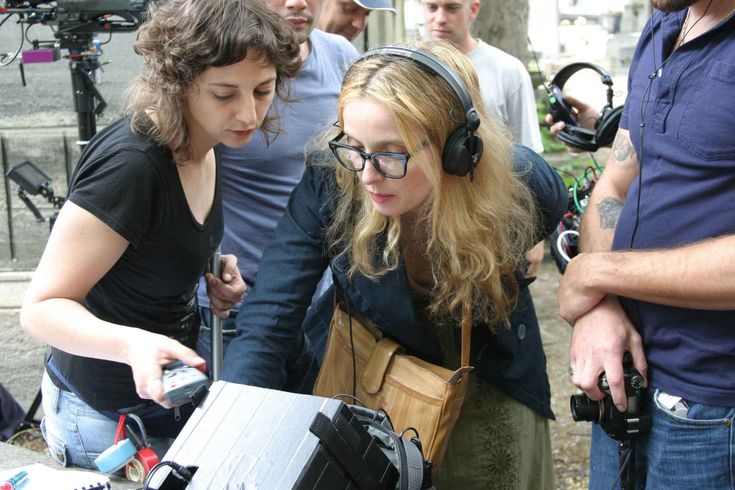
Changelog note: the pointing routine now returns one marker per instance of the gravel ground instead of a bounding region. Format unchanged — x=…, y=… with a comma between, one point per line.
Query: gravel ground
x=570, y=440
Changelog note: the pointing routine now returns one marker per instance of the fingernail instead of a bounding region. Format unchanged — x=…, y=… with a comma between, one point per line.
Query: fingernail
x=226, y=276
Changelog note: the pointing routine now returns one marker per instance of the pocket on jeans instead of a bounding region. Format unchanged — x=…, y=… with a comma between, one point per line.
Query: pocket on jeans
x=698, y=414
x=56, y=446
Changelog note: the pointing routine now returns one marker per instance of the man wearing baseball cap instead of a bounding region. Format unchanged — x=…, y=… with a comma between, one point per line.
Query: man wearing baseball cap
x=349, y=18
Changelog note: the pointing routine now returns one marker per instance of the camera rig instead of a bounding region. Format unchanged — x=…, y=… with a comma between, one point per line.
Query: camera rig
x=74, y=24
x=624, y=427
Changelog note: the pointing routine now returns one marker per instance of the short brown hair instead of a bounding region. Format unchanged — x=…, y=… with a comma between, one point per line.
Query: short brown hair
x=181, y=39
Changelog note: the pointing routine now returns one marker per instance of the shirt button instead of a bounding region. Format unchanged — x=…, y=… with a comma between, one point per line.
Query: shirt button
x=521, y=331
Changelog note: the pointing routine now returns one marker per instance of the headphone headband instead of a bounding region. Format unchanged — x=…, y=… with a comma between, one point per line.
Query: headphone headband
x=462, y=148
x=565, y=73
x=432, y=64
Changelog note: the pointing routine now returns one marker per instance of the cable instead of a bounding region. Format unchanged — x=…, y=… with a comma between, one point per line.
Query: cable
x=567, y=172
x=141, y=427
x=352, y=348
x=7, y=58
x=559, y=247
x=645, y=99
x=180, y=472
x=576, y=198
x=620, y=472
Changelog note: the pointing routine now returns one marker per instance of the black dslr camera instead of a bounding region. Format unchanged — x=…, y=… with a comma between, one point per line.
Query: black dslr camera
x=621, y=426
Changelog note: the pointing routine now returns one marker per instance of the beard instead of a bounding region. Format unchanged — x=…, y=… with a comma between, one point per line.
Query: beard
x=672, y=5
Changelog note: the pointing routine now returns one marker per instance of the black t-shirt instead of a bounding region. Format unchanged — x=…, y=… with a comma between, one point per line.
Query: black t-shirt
x=131, y=184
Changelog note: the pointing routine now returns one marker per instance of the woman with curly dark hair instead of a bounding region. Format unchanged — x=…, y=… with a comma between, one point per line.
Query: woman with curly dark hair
x=114, y=294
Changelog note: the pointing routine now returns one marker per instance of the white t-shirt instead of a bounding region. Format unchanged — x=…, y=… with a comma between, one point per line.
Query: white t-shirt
x=507, y=91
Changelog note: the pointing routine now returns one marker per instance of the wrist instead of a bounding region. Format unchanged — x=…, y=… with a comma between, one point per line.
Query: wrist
x=590, y=273
x=128, y=339
x=604, y=272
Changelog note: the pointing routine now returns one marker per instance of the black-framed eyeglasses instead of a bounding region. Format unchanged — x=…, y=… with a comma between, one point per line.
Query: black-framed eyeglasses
x=389, y=164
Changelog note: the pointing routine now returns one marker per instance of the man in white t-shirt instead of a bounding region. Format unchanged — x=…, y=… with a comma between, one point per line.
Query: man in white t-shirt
x=504, y=81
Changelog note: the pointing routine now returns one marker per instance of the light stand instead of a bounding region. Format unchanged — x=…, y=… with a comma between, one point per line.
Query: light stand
x=32, y=181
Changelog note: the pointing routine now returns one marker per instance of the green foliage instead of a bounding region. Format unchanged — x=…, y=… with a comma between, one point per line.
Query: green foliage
x=551, y=144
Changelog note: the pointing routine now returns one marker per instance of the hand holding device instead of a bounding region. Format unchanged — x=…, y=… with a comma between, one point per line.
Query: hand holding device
x=183, y=384
x=558, y=107
x=619, y=425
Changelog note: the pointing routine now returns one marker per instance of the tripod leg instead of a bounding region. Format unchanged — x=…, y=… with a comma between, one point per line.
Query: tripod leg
x=29, y=421
x=626, y=462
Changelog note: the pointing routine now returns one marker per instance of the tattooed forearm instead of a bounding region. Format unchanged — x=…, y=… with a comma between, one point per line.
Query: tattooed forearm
x=622, y=149
x=609, y=211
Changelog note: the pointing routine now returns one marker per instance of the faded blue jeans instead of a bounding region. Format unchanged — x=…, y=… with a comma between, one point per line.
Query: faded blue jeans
x=76, y=433
x=694, y=451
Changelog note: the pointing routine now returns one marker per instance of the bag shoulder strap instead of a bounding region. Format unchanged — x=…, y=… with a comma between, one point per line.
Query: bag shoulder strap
x=466, y=334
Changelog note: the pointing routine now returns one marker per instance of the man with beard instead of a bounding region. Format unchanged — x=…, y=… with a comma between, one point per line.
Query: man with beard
x=257, y=180
x=657, y=276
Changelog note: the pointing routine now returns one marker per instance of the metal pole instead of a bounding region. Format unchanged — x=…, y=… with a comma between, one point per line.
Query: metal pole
x=8, y=199
x=216, y=323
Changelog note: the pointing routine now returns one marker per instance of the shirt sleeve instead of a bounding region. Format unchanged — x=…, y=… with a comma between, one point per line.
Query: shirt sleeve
x=122, y=189
x=546, y=185
x=522, y=115
x=269, y=321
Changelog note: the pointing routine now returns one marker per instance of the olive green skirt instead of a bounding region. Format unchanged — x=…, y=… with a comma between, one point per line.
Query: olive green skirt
x=498, y=443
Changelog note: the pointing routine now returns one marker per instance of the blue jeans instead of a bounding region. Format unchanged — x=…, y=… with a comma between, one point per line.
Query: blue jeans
x=76, y=433
x=693, y=451
x=301, y=363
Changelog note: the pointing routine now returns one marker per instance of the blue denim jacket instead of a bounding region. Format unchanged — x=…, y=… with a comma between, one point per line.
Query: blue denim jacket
x=270, y=320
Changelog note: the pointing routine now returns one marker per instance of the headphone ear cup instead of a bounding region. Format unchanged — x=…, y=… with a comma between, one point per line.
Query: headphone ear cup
x=579, y=137
x=461, y=153
x=608, y=126
x=456, y=158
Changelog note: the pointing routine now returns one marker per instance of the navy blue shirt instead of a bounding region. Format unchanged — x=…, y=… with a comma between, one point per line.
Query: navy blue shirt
x=686, y=150
x=273, y=312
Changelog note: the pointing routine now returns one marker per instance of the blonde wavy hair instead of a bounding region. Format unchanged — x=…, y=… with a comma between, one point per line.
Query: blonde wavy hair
x=474, y=233
x=181, y=39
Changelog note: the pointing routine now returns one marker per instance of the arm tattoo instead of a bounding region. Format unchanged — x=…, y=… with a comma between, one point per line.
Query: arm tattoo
x=609, y=210
x=622, y=148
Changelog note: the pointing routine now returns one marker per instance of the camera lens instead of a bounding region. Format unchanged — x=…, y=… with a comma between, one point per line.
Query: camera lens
x=583, y=408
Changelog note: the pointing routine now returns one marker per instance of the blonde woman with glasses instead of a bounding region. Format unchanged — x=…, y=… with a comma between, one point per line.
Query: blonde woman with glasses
x=420, y=204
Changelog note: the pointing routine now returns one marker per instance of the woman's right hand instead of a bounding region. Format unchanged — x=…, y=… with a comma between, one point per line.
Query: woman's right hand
x=147, y=353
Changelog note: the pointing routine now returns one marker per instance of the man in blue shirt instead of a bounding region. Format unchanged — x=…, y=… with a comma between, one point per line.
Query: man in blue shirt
x=257, y=179
x=666, y=291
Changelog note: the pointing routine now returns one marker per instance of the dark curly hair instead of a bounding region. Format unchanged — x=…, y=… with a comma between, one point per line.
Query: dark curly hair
x=181, y=39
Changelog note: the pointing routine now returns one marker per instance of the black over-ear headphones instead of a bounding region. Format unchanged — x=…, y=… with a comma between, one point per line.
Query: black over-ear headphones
x=573, y=134
x=463, y=149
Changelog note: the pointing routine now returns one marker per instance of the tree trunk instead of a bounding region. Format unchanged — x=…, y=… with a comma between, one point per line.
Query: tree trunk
x=504, y=24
